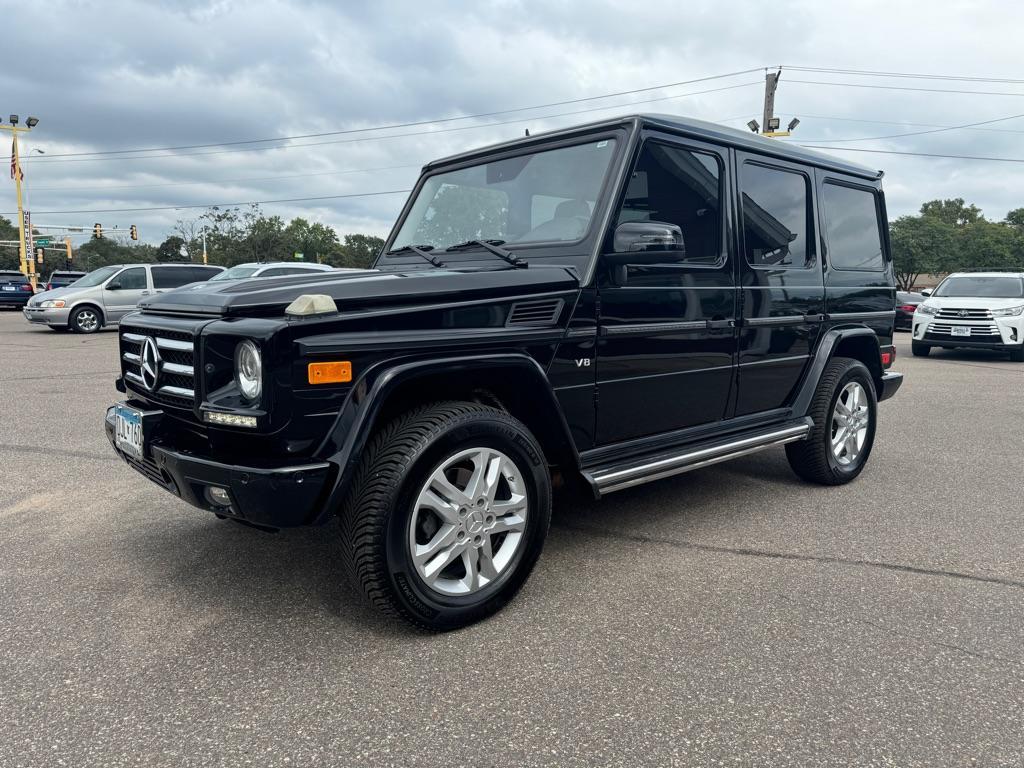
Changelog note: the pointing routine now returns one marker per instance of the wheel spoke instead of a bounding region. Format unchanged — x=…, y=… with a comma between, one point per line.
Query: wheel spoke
x=515, y=503
x=445, y=537
x=839, y=438
x=509, y=523
x=433, y=567
x=484, y=479
x=851, y=446
x=472, y=577
x=440, y=485
x=447, y=511
x=487, y=569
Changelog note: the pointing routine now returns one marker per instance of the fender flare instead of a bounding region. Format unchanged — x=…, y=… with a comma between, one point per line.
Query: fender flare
x=347, y=438
x=826, y=348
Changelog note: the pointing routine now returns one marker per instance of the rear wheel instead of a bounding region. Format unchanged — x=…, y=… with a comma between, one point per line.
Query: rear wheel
x=447, y=515
x=86, y=320
x=844, y=409
x=919, y=350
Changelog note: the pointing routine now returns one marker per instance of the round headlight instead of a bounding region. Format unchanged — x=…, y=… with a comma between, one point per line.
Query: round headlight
x=249, y=370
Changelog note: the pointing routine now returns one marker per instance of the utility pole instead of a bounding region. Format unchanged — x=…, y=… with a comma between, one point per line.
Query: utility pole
x=770, y=125
x=27, y=264
x=204, y=246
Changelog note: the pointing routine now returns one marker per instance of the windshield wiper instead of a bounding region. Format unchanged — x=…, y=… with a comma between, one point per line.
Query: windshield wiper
x=493, y=247
x=423, y=251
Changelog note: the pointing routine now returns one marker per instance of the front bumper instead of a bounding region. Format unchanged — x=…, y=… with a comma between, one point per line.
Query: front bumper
x=42, y=316
x=1001, y=333
x=270, y=496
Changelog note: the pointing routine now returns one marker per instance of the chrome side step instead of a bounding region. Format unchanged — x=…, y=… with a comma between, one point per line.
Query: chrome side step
x=610, y=479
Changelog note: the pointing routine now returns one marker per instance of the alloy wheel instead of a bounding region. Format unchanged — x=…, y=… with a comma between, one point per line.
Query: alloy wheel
x=851, y=418
x=87, y=321
x=468, y=522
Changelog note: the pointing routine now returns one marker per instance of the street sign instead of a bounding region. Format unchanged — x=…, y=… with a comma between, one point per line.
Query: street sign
x=43, y=241
x=300, y=256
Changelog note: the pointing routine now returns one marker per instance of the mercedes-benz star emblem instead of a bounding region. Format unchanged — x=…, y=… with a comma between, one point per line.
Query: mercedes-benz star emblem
x=149, y=363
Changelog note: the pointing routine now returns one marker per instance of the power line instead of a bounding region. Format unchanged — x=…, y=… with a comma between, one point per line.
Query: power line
x=917, y=154
x=221, y=205
x=411, y=124
x=913, y=75
x=904, y=88
x=228, y=181
x=922, y=133
x=893, y=122
x=403, y=135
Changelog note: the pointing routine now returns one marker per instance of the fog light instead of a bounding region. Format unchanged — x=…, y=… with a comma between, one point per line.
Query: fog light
x=230, y=419
x=219, y=497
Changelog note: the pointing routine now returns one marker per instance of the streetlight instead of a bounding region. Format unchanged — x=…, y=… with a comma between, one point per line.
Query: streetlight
x=27, y=264
x=754, y=126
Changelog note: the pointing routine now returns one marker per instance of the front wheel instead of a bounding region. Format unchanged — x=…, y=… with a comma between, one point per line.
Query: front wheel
x=1017, y=355
x=919, y=350
x=86, y=320
x=447, y=515
x=844, y=411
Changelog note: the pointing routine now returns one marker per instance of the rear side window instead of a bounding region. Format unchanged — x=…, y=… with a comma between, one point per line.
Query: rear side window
x=172, y=277
x=133, y=279
x=852, y=228
x=203, y=273
x=776, y=212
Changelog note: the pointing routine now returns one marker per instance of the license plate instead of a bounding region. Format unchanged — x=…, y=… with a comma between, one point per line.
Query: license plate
x=8, y=287
x=961, y=330
x=128, y=430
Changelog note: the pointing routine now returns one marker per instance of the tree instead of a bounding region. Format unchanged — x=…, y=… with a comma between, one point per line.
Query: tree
x=1015, y=219
x=170, y=249
x=104, y=251
x=357, y=251
x=920, y=245
x=9, y=256
x=954, y=212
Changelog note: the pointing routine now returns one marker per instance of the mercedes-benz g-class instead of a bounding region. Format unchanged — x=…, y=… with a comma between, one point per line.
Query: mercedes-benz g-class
x=602, y=306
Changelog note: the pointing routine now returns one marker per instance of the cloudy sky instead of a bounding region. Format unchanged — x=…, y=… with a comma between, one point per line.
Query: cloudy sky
x=112, y=76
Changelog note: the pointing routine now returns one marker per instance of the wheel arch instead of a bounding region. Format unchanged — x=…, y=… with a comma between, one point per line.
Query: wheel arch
x=515, y=383
x=858, y=343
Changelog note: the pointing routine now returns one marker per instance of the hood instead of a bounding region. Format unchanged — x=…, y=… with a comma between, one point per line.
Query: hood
x=358, y=289
x=956, y=302
x=56, y=293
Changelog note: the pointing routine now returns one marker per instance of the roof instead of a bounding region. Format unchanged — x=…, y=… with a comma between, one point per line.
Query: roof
x=265, y=264
x=699, y=129
x=993, y=273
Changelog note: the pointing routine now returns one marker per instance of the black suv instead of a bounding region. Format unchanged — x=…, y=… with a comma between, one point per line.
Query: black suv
x=605, y=305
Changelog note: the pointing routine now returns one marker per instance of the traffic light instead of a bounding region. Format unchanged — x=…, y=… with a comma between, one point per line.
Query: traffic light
x=67, y=245
x=39, y=255
x=134, y=232
x=97, y=231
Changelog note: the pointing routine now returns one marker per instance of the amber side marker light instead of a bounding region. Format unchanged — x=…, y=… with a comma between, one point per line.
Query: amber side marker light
x=330, y=373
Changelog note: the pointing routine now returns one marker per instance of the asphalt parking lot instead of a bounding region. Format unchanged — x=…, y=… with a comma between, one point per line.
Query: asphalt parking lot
x=731, y=616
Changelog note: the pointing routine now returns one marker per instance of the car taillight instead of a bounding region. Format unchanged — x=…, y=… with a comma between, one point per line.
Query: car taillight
x=27, y=287
x=49, y=286
x=888, y=355
x=907, y=308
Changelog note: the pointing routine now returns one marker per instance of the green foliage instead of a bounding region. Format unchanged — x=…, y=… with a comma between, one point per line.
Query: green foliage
x=103, y=251
x=171, y=249
x=9, y=258
x=952, y=236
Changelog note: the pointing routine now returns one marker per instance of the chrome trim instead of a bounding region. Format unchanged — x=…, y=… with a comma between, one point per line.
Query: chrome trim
x=617, y=480
x=131, y=357
x=580, y=333
x=177, y=391
x=754, y=322
x=182, y=346
x=861, y=315
x=136, y=338
x=184, y=370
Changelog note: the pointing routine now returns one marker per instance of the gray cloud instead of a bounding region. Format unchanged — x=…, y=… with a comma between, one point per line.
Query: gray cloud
x=117, y=75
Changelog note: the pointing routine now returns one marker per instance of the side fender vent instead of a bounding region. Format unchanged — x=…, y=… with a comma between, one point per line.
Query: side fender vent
x=541, y=312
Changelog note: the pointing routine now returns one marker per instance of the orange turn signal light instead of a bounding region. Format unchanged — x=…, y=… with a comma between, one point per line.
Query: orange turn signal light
x=330, y=373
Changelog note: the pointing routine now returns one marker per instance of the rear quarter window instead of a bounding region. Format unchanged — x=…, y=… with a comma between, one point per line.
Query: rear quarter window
x=852, y=228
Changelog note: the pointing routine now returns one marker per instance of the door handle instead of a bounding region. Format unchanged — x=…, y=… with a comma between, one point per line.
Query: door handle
x=814, y=318
x=719, y=324
x=145, y=293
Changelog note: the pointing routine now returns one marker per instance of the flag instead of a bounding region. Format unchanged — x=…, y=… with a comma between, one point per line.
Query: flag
x=15, y=166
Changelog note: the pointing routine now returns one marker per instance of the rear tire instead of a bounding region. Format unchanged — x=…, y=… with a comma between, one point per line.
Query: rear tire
x=422, y=540
x=919, y=350
x=844, y=410
x=86, y=319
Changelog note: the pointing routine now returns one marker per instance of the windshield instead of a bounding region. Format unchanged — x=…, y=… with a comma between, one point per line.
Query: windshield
x=540, y=197
x=982, y=287
x=96, y=277
x=236, y=273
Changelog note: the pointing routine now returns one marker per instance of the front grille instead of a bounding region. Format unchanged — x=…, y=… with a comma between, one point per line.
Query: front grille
x=945, y=329
x=953, y=313
x=540, y=312
x=175, y=384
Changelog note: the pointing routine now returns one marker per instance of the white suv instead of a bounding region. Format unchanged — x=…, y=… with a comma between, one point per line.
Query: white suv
x=978, y=309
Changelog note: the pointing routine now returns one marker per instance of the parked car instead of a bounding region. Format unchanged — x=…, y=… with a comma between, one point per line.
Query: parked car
x=604, y=306
x=107, y=294
x=977, y=310
x=906, y=304
x=15, y=289
x=62, y=279
x=271, y=269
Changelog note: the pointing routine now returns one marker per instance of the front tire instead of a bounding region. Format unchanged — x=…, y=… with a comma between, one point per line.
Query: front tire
x=447, y=514
x=86, y=320
x=919, y=350
x=844, y=410
x=1017, y=355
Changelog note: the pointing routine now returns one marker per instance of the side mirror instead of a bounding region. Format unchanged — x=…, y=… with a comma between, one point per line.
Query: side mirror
x=113, y=286
x=632, y=237
x=926, y=292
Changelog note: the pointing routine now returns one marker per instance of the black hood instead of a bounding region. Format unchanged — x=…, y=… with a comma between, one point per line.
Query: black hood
x=352, y=289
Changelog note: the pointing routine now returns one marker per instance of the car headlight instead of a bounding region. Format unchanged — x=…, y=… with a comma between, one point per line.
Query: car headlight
x=1008, y=312
x=927, y=309
x=59, y=304
x=249, y=370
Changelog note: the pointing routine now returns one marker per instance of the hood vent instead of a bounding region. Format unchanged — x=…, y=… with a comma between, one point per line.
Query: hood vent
x=541, y=312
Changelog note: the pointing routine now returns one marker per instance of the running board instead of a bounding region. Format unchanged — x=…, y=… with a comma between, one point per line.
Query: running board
x=643, y=470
